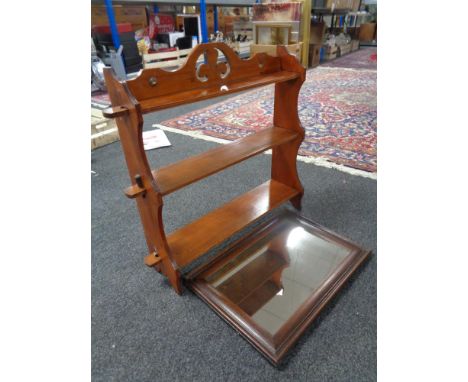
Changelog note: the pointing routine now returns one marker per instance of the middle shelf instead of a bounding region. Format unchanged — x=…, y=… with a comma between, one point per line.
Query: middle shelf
x=190, y=170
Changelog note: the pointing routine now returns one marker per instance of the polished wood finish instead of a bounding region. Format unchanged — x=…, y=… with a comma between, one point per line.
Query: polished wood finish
x=198, y=237
x=114, y=112
x=150, y=202
x=134, y=191
x=152, y=259
x=187, y=171
x=237, y=303
x=283, y=168
x=190, y=96
x=156, y=89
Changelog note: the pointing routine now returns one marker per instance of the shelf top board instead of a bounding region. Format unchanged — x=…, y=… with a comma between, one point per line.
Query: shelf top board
x=154, y=104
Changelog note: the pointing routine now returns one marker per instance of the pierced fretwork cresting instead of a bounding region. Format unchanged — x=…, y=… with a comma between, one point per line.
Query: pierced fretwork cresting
x=211, y=70
x=156, y=89
x=152, y=83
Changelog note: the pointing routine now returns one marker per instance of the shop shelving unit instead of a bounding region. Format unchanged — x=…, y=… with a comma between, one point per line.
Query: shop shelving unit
x=305, y=18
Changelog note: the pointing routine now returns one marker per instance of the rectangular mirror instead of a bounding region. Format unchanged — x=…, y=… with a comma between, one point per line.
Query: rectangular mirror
x=273, y=283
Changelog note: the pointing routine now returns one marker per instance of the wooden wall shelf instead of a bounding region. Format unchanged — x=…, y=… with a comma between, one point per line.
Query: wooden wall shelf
x=156, y=89
x=245, y=282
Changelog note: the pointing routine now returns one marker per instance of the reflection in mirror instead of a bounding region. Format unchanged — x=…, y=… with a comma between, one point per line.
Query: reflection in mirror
x=273, y=278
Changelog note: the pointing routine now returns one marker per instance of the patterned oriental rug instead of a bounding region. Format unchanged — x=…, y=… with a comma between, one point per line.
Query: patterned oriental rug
x=100, y=99
x=364, y=58
x=337, y=107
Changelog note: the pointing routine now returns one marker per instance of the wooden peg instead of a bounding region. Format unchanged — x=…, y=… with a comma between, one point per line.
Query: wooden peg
x=133, y=191
x=152, y=259
x=137, y=189
x=114, y=112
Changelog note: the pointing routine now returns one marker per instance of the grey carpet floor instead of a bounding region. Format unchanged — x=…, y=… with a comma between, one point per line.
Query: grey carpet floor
x=143, y=331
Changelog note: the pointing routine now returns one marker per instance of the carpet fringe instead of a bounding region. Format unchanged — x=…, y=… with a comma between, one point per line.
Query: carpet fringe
x=328, y=164
x=345, y=69
x=193, y=134
x=314, y=160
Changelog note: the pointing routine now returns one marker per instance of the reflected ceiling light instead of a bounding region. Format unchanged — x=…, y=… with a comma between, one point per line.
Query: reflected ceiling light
x=295, y=237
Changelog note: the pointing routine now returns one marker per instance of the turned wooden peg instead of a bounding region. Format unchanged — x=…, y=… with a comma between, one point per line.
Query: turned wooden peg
x=139, y=181
x=157, y=89
x=152, y=259
x=114, y=112
x=136, y=190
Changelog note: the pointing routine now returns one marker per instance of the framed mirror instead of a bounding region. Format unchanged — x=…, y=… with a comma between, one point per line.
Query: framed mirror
x=274, y=282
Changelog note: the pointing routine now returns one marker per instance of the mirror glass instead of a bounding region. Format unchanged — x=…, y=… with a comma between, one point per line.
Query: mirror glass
x=273, y=278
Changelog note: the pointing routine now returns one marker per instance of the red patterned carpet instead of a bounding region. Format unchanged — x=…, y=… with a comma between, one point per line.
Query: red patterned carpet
x=337, y=107
x=100, y=99
x=364, y=58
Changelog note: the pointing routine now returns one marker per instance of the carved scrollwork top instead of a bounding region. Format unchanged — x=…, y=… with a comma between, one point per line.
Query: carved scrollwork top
x=211, y=65
x=212, y=69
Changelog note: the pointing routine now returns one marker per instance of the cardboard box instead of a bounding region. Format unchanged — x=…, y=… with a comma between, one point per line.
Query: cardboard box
x=295, y=49
x=314, y=55
x=317, y=32
x=135, y=15
x=342, y=4
x=367, y=31
x=344, y=49
x=330, y=52
x=277, y=11
x=354, y=45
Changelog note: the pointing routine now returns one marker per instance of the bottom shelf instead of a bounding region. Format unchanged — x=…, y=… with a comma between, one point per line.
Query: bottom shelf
x=197, y=238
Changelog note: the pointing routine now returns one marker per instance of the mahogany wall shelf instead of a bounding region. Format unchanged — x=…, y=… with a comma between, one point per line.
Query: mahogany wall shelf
x=157, y=89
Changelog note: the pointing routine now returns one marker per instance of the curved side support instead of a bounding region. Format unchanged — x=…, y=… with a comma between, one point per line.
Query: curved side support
x=283, y=168
x=149, y=201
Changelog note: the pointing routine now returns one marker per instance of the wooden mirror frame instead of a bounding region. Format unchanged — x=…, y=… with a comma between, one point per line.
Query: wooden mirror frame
x=275, y=347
